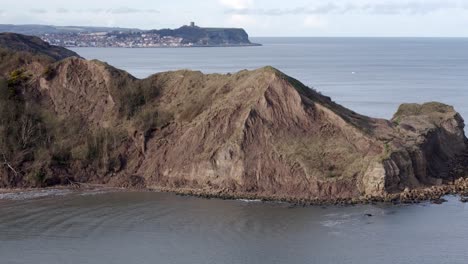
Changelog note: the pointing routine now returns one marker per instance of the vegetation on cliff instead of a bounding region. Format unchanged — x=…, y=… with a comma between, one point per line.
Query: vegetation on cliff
x=207, y=36
x=251, y=133
x=33, y=45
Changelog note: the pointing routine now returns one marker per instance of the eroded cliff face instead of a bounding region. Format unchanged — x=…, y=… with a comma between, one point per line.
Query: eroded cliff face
x=430, y=147
x=90, y=89
x=259, y=132
x=254, y=132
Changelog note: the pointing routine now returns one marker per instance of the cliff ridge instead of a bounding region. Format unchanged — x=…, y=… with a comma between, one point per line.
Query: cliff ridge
x=258, y=133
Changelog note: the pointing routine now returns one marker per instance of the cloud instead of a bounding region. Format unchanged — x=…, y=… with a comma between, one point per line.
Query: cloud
x=62, y=10
x=237, y=4
x=241, y=20
x=151, y=11
x=129, y=10
x=321, y=9
x=38, y=11
x=415, y=7
x=387, y=8
x=116, y=11
x=314, y=22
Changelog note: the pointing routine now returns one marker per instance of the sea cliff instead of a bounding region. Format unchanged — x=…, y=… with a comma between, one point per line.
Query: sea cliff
x=256, y=133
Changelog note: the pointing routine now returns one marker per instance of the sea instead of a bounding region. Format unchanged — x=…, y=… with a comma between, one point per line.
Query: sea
x=372, y=76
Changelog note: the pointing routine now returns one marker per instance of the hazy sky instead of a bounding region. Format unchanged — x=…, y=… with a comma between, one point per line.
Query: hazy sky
x=258, y=17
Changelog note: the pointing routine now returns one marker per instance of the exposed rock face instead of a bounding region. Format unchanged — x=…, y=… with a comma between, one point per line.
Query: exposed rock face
x=86, y=88
x=433, y=140
x=254, y=132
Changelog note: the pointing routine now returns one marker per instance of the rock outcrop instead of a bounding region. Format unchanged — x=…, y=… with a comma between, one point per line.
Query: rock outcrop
x=199, y=36
x=256, y=133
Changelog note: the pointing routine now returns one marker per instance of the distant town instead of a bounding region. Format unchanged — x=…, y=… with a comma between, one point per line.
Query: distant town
x=114, y=39
x=185, y=36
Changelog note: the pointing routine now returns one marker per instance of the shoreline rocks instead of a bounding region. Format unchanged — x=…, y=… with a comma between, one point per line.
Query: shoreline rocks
x=432, y=194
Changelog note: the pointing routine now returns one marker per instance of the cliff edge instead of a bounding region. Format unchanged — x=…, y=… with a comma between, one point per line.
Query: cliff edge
x=252, y=133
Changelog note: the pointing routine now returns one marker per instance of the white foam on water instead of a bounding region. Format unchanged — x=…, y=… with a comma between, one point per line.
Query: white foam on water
x=250, y=200
x=33, y=194
x=93, y=192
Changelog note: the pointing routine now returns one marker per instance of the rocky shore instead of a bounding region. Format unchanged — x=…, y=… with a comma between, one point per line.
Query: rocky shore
x=433, y=194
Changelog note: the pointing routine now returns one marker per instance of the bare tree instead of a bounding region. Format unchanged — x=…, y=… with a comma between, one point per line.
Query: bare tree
x=27, y=130
x=9, y=165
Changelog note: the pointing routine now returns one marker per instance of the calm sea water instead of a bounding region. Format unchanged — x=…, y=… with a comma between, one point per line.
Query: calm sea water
x=123, y=228
x=371, y=76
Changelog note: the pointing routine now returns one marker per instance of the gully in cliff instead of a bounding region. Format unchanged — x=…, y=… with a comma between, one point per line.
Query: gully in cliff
x=253, y=134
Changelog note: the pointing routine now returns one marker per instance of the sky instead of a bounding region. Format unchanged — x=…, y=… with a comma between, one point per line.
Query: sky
x=328, y=18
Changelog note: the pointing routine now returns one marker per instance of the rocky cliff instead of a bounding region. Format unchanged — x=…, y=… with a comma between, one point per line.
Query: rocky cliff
x=253, y=133
x=207, y=36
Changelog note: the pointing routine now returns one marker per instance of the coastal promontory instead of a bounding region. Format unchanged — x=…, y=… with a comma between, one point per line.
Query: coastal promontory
x=261, y=133
x=185, y=36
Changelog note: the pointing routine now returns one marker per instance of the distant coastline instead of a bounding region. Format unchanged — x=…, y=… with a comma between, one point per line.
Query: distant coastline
x=102, y=37
x=172, y=47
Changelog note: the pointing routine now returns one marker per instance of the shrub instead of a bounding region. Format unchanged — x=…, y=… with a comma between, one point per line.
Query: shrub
x=151, y=119
x=101, y=148
x=61, y=157
x=17, y=77
x=39, y=176
x=132, y=102
x=133, y=98
x=397, y=121
x=80, y=152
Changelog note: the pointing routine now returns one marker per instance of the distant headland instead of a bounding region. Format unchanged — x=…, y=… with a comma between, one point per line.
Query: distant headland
x=186, y=36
